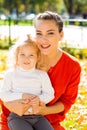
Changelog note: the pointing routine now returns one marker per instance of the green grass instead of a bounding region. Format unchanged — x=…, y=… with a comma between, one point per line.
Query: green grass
x=18, y=22
x=76, y=119
x=3, y=52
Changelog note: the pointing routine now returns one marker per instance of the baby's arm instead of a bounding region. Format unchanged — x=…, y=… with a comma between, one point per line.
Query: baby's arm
x=6, y=90
x=47, y=93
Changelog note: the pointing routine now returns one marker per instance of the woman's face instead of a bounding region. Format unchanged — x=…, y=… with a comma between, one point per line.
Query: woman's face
x=48, y=36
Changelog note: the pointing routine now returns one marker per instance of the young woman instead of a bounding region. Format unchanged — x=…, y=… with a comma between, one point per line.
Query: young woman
x=63, y=69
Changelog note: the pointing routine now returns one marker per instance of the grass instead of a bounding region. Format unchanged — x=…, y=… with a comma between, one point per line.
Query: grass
x=3, y=57
x=18, y=22
x=76, y=118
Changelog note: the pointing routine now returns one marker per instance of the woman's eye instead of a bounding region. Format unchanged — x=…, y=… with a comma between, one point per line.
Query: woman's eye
x=51, y=33
x=39, y=34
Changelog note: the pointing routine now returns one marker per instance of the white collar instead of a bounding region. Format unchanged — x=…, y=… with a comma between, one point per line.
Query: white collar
x=25, y=70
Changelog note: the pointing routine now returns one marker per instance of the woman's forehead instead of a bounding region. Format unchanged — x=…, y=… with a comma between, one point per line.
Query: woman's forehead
x=42, y=25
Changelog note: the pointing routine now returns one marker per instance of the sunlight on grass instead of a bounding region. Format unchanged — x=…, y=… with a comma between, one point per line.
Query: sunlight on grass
x=3, y=58
x=76, y=119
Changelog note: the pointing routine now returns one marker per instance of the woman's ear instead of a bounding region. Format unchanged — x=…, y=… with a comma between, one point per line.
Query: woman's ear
x=61, y=35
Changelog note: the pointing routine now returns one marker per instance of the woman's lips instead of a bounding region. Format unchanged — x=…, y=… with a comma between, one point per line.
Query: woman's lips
x=45, y=46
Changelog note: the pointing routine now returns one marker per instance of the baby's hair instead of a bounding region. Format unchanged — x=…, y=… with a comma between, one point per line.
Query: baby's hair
x=25, y=42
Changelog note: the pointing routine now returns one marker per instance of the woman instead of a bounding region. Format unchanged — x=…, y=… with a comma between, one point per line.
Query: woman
x=63, y=69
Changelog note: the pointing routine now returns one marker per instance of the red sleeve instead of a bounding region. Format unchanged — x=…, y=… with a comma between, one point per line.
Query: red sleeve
x=70, y=94
x=65, y=78
x=3, y=117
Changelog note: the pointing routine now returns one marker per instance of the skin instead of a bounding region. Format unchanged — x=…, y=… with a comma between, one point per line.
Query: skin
x=48, y=36
x=27, y=57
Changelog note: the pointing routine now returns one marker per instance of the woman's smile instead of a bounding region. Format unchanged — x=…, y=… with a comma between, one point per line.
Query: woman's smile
x=45, y=46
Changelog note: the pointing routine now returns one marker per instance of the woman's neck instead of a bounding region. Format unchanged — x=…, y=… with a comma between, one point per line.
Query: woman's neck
x=51, y=60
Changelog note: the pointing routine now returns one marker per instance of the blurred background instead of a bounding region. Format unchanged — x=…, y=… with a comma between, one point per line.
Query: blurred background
x=16, y=19
x=20, y=9
x=16, y=16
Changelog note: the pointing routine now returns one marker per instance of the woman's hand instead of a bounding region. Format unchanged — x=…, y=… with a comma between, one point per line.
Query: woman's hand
x=38, y=107
x=18, y=106
x=52, y=109
x=42, y=108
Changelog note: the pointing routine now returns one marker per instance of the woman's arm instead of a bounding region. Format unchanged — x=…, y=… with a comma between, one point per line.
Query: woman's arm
x=18, y=106
x=53, y=109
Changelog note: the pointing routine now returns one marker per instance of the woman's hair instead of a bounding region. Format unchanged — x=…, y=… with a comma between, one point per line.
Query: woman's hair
x=48, y=15
x=28, y=41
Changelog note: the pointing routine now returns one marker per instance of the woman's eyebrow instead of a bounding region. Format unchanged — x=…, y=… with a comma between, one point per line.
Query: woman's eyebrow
x=38, y=31
x=47, y=30
x=51, y=30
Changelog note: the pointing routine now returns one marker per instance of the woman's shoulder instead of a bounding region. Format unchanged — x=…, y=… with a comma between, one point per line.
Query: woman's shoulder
x=68, y=61
x=70, y=58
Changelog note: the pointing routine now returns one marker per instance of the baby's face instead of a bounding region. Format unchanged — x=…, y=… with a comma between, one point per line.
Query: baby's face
x=27, y=57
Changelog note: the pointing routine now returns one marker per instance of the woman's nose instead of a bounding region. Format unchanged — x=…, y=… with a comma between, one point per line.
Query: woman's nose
x=44, y=37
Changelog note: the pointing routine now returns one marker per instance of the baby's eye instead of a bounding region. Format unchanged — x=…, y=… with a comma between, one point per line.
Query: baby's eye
x=22, y=54
x=31, y=55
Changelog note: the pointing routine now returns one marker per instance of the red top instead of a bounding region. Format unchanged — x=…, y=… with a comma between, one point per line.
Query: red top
x=65, y=77
x=3, y=117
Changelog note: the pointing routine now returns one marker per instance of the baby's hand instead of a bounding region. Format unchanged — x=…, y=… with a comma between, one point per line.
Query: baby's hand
x=35, y=104
x=24, y=101
x=35, y=100
x=27, y=96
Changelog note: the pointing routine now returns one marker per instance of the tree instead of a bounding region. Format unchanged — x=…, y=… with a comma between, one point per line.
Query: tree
x=26, y=5
x=75, y=6
x=46, y=5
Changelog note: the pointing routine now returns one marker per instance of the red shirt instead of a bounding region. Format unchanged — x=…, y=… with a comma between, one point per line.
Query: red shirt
x=65, y=77
x=3, y=117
